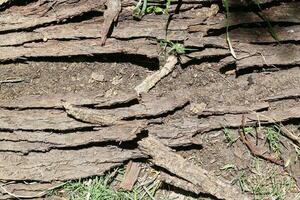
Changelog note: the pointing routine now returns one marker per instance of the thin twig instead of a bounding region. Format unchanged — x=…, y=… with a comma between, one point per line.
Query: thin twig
x=287, y=133
x=253, y=149
x=17, y=80
x=149, y=194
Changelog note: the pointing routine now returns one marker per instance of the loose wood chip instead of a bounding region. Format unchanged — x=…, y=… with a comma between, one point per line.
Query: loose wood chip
x=131, y=175
x=163, y=156
x=110, y=16
x=154, y=78
x=3, y=2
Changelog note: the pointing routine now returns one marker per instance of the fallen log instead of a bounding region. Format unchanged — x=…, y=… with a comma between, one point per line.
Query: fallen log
x=40, y=141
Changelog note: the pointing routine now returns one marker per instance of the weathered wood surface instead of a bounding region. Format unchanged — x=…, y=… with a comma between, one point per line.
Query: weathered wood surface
x=266, y=117
x=48, y=120
x=63, y=164
x=49, y=33
x=44, y=139
x=38, y=139
x=222, y=110
x=56, y=101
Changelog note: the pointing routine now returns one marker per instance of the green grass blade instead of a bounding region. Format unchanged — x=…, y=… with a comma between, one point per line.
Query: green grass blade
x=226, y=5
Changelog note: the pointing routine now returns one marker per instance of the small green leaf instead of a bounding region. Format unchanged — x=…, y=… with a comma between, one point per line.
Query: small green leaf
x=158, y=10
x=149, y=9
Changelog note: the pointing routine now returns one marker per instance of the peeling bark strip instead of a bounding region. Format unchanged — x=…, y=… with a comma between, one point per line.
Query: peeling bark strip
x=79, y=99
x=91, y=116
x=27, y=190
x=45, y=12
x=267, y=117
x=286, y=94
x=178, y=133
x=149, y=107
x=173, y=136
x=63, y=164
x=222, y=110
x=78, y=47
x=43, y=120
x=163, y=156
x=178, y=182
x=37, y=141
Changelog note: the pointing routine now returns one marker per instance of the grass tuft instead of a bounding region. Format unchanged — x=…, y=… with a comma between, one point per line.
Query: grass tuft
x=103, y=188
x=142, y=8
x=273, y=139
x=174, y=47
x=93, y=189
x=229, y=136
x=264, y=182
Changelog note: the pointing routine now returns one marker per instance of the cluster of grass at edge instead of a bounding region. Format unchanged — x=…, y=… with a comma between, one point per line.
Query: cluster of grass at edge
x=262, y=182
x=104, y=188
